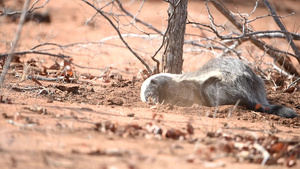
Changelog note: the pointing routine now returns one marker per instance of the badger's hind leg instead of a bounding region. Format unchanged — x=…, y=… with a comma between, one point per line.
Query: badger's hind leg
x=214, y=92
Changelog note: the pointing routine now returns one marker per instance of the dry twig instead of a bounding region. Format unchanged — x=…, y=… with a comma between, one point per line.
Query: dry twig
x=282, y=27
x=15, y=42
x=119, y=33
x=272, y=51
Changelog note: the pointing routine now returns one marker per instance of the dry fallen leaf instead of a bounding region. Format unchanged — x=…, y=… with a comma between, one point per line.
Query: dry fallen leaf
x=190, y=129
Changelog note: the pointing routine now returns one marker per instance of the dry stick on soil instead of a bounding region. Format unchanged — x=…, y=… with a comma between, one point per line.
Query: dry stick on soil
x=281, y=26
x=119, y=33
x=15, y=42
x=273, y=52
x=292, y=84
x=20, y=124
x=49, y=78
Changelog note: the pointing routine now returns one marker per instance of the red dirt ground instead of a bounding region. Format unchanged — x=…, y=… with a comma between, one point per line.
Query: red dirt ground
x=102, y=123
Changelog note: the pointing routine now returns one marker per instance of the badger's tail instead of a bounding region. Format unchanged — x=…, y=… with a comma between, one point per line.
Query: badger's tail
x=281, y=111
x=276, y=110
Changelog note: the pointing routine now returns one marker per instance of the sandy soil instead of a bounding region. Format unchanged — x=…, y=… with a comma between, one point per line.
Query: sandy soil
x=90, y=122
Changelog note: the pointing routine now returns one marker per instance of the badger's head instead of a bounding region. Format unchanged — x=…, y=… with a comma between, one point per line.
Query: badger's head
x=154, y=88
x=150, y=90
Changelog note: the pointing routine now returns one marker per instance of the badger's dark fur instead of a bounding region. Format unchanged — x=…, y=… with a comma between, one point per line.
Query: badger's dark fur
x=221, y=81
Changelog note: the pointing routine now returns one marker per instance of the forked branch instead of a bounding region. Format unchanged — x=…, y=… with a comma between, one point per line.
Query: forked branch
x=120, y=35
x=15, y=42
x=282, y=27
x=275, y=53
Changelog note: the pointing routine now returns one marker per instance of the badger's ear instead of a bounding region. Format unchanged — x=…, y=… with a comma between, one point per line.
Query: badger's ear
x=154, y=81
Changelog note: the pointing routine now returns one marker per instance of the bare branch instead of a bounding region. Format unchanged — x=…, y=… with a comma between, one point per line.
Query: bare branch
x=137, y=19
x=273, y=52
x=129, y=35
x=15, y=42
x=32, y=8
x=279, y=33
x=34, y=52
x=122, y=39
x=260, y=17
x=249, y=35
x=193, y=42
x=282, y=27
x=274, y=33
x=89, y=20
x=267, y=34
x=61, y=56
x=88, y=43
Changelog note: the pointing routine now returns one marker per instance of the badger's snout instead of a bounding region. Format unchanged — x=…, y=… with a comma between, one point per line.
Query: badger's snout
x=144, y=98
x=149, y=97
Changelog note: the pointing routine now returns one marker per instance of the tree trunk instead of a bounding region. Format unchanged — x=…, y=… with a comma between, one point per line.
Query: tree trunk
x=172, y=58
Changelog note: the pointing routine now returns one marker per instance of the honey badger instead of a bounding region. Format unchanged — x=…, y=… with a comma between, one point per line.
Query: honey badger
x=221, y=81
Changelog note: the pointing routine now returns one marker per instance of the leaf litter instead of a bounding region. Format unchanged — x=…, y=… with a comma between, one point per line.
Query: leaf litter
x=112, y=90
